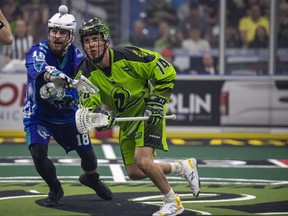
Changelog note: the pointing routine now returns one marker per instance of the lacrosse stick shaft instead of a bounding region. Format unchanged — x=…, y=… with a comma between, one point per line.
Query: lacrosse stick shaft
x=140, y=118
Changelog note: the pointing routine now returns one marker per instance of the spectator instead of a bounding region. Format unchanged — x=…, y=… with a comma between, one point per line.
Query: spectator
x=6, y=36
x=166, y=38
x=195, y=19
x=195, y=44
x=235, y=9
x=249, y=24
x=139, y=35
x=232, y=37
x=261, y=38
x=21, y=43
x=168, y=54
x=157, y=11
x=36, y=13
x=265, y=7
x=161, y=10
x=210, y=8
x=283, y=25
x=8, y=8
x=208, y=65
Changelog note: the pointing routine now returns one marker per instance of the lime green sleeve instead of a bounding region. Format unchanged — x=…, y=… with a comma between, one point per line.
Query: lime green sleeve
x=161, y=72
x=90, y=101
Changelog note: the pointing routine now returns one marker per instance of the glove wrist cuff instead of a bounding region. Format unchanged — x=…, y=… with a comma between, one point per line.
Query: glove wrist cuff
x=47, y=76
x=156, y=99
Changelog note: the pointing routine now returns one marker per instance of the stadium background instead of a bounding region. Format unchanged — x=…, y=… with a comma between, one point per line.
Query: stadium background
x=242, y=155
x=217, y=103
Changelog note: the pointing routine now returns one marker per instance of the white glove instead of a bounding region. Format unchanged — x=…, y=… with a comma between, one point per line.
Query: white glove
x=48, y=92
x=86, y=120
x=59, y=79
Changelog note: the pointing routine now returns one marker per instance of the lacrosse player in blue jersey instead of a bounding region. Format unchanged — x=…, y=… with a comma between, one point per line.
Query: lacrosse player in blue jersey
x=49, y=108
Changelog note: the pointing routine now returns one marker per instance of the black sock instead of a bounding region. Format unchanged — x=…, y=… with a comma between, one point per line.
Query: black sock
x=55, y=185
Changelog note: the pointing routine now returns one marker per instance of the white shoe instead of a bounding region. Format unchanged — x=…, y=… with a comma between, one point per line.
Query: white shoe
x=190, y=173
x=171, y=207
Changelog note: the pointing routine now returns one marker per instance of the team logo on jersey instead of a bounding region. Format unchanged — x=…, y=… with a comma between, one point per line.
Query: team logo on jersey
x=42, y=132
x=38, y=60
x=79, y=54
x=122, y=98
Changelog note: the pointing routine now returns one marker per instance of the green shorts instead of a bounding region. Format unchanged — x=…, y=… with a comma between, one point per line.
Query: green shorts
x=153, y=136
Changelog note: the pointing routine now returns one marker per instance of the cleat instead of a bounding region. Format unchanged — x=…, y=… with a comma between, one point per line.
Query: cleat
x=101, y=189
x=171, y=207
x=53, y=198
x=190, y=173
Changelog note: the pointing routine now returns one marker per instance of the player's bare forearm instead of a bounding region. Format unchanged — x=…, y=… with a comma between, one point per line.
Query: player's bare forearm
x=6, y=36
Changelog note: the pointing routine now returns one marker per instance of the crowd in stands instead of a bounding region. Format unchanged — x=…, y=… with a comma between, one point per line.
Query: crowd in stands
x=193, y=26
x=189, y=25
x=28, y=21
x=196, y=26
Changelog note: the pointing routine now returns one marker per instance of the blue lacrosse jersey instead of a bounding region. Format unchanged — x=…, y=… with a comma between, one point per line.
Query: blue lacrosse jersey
x=37, y=110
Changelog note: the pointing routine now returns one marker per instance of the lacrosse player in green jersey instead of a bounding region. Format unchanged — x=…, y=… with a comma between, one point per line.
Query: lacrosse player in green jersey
x=134, y=82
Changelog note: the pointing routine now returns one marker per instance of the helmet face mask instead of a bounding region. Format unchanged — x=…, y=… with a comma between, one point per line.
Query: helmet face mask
x=59, y=40
x=94, y=47
x=63, y=22
x=95, y=38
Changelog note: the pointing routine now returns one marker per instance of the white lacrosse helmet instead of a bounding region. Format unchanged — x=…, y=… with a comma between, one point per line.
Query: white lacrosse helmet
x=63, y=20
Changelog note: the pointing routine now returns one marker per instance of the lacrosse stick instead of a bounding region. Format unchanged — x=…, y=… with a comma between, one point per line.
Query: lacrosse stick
x=83, y=85
x=87, y=120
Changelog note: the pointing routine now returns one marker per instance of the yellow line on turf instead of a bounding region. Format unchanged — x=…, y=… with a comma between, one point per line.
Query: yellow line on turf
x=227, y=135
x=185, y=135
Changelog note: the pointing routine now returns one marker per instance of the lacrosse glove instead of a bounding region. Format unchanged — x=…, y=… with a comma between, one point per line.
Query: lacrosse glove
x=65, y=101
x=48, y=92
x=111, y=122
x=154, y=109
x=58, y=78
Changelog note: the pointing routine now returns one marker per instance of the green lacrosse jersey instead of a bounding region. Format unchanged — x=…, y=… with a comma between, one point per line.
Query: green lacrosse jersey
x=133, y=75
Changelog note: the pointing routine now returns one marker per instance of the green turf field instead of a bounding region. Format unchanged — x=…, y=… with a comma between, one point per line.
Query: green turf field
x=236, y=180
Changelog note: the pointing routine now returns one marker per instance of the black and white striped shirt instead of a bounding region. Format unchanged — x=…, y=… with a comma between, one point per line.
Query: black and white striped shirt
x=19, y=47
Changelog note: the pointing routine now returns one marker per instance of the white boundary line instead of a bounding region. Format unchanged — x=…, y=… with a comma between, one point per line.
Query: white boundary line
x=116, y=170
x=172, y=180
x=25, y=196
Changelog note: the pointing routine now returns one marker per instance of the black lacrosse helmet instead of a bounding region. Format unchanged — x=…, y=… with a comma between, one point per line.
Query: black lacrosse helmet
x=94, y=26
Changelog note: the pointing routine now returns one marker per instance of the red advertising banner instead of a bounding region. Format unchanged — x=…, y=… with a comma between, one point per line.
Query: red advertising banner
x=12, y=91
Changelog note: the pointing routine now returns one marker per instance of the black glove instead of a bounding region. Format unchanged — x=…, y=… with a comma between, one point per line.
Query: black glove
x=154, y=109
x=111, y=122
